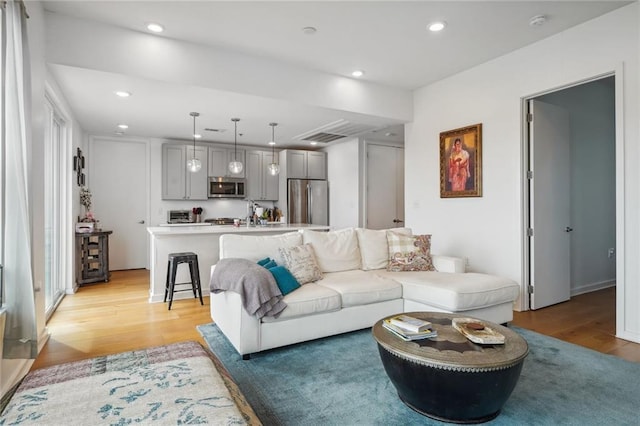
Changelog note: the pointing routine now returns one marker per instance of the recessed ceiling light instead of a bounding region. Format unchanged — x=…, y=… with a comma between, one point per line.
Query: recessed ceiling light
x=272, y=143
x=119, y=133
x=197, y=136
x=313, y=143
x=390, y=134
x=309, y=30
x=123, y=126
x=537, y=20
x=156, y=28
x=357, y=73
x=123, y=94
x=437, y=26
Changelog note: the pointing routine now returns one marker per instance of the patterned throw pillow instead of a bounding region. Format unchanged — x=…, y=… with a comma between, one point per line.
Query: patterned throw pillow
x=301, y=262
x=409, y=253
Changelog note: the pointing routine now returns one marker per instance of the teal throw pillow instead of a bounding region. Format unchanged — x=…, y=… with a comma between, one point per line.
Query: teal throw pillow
x=264, y=261
x=270, y=264
x=286, y=282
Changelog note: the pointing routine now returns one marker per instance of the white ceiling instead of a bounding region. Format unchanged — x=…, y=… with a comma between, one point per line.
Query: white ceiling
x=387, y=39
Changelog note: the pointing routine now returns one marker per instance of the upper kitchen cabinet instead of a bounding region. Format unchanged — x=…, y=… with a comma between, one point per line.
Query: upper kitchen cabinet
x=304, y=164
x=261, y=185
x=178, y=183
x=219, y=159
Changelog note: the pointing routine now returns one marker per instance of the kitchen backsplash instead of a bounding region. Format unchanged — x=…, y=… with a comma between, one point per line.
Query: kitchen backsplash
x=210, y=209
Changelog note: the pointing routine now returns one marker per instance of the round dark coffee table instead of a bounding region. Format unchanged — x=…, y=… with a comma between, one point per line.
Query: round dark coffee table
x=448, y=377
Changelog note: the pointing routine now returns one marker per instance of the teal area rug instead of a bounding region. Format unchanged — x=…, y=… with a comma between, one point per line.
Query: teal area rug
x=340, y=380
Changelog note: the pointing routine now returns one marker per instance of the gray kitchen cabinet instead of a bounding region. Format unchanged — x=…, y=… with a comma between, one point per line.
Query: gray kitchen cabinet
x=261, y=185
x=178, y=183
x=304, y=164
x=219, y=159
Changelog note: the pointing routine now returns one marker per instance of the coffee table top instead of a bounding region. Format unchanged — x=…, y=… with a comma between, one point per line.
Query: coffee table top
x=450, y=350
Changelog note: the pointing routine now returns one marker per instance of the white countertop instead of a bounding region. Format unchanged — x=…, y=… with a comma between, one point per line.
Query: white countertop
x=228, y=229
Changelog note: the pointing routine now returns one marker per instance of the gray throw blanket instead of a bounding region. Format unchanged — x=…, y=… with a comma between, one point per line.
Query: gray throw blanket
x=256, y=286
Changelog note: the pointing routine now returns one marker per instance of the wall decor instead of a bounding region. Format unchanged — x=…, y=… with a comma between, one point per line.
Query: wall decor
x=78, y=165
x=461, y=162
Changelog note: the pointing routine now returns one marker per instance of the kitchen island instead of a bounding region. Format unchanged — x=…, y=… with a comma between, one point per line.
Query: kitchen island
x=203, y=241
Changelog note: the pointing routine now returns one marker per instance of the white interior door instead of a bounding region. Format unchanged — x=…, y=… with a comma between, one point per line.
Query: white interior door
x=549, y=208
x=118, y=183
x=385, y=186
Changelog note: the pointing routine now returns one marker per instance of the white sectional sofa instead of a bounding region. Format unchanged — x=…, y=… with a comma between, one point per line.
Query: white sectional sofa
x=356, y=289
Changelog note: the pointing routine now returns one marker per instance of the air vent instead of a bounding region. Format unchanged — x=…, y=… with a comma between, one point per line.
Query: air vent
x=215, y=130
x=323, y=137
x=336, y=130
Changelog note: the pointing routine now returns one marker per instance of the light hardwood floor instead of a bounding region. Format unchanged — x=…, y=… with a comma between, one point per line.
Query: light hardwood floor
x=113, y=317
x=586, y=320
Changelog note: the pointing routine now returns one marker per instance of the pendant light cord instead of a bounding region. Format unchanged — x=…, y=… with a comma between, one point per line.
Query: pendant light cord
x=194, y=136
x=273, y=147
x=235, y=140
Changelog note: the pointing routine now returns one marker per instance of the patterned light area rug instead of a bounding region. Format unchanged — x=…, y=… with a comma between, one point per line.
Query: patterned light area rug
x=172, y=384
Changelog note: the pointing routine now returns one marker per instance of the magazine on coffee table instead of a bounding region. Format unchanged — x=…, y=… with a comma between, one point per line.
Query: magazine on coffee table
x=410, y=323
x=477, y=331
x=407, y=335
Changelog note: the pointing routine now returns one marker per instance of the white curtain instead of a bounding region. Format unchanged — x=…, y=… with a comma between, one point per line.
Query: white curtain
x=20, y=339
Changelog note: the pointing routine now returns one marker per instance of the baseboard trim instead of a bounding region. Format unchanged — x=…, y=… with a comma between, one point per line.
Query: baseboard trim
x=588, y=288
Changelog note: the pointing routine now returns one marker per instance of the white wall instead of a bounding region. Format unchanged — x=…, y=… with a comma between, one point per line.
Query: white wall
x=343, y=160
x=488, y=230
x=591, y=109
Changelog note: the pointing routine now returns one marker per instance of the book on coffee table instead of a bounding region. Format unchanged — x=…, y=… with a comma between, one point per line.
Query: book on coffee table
x=477, y=331
x=410, y=323
x=407, y=335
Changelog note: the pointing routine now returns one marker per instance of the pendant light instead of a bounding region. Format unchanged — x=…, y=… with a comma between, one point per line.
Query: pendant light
x=235, y=166
x=194, y=165
x=274, y=168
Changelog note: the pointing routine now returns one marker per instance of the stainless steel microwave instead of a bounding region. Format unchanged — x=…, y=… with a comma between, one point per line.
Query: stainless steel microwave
x=224, y=187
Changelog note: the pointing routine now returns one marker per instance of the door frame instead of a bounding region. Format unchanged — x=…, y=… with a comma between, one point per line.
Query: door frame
x=617, y=73
x=66, y=273
x=364, y=143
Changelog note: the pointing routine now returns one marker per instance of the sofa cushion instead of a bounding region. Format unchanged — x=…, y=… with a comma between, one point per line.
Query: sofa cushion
x=308, y=300
x=335, y=250
x=454, y=291
x=409, y=253
x=374, y=247
x=361, y=288
x=301, y=262
x=256, y=247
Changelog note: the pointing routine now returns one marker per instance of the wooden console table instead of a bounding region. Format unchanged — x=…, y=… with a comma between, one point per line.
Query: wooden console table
x=92, y=257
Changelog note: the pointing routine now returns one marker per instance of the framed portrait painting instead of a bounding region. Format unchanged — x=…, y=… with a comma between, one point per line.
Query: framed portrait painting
x=461, y=162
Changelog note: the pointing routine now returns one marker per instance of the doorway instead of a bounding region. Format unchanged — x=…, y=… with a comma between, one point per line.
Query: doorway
x=587, y=172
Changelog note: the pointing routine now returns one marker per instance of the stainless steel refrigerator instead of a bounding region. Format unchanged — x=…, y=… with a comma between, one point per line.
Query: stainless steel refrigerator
x=307, y=201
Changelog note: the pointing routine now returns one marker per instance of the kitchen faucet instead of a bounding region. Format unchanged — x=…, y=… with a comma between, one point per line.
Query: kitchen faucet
x=250, y=211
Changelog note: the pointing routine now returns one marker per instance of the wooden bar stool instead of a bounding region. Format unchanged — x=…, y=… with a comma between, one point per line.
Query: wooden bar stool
x=176, y=259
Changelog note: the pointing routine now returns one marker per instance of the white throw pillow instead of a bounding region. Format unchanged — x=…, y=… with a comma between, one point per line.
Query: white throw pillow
x=335, y=250
x=301, y=262
x=374, y=247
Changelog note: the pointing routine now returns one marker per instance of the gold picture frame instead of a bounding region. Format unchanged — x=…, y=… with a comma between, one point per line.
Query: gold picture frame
x=461, y=162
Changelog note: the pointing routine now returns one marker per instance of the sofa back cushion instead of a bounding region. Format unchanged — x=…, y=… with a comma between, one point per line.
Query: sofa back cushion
x=335, y=250
x=374, y=247
x=256, y=247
